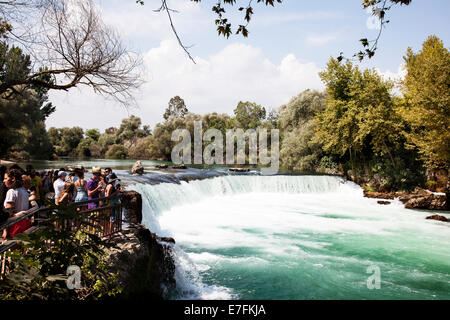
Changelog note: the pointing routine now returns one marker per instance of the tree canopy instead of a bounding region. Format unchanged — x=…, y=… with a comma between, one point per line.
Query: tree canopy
x=23, y=116
x=249, y=114
x=426, y=108
x=176, y=109
x=359, y=109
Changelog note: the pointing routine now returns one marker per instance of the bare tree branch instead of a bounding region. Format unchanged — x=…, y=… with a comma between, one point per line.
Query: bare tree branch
x=165, y=8
x=75, y=47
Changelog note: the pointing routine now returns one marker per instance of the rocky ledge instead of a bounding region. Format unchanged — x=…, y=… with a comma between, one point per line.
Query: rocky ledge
x=143, y=260
x=419, y=199
x=132, y=203
x=429, y=202
x=144, y=263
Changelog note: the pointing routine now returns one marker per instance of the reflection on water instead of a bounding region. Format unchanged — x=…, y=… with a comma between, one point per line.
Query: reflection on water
x=152, y=174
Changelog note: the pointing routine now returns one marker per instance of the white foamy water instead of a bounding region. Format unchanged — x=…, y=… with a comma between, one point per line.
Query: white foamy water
x=295, y=237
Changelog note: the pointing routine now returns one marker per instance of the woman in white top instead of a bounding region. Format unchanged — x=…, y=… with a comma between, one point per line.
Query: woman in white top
x=16, y=201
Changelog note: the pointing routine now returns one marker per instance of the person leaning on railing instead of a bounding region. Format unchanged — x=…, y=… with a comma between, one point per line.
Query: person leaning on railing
x=16, y=202
x=66, y=194
x=113, y=189
x=94, y=187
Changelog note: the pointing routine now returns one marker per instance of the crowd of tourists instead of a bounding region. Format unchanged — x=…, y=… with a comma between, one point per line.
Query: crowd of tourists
x=25, y=189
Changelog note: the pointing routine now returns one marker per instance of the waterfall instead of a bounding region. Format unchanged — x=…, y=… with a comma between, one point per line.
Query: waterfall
x=237, y=235
x=164, y=196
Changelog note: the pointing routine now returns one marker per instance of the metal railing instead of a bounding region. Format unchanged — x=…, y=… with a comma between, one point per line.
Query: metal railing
x=104, y=221
x=105, y=218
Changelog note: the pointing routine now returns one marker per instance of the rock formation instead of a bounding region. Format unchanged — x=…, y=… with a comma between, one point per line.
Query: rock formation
x=418, y=199
x=438, y=217
x=144, y=261
x=430, y=201
x=144, y=264
x=239, y=169
x=132, y=203
x=179, y=166
x=379, y=195
x=138, y=168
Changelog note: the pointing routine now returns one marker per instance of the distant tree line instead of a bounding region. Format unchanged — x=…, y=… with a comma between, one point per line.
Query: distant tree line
x=136, y=141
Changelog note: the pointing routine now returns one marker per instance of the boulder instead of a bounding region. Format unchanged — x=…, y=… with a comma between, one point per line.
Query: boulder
x=438, y=217
x=239, y=169
x=179, y=166
x=383, y=202
x=430, y=202
x=161, y=166
x=138, y=168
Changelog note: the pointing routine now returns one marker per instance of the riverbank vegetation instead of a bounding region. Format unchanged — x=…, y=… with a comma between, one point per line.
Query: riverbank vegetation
x=358, y=126
x=38, y=267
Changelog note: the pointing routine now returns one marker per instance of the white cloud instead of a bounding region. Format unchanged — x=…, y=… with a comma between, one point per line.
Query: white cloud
x=217, y=83
x=397, y=76
x=321, y=39
x=394, y=76
x=134, y=20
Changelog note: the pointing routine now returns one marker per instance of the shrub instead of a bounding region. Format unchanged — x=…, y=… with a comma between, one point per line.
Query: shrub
x=116, y=151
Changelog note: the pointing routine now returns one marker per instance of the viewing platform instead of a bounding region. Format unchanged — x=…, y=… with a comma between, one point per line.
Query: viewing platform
x=104, y=221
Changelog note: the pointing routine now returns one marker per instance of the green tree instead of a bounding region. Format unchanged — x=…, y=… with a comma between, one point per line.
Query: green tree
x=104, y=141
x=273, y=117
x=176, y=109
x=144, y=149
x=130, y=131
x=94, y=134
x=111, y=130
x=84, y=147
x=301, y=109
x=217, y=121
x=426, y=106
x=299, y=150
x=65, y=140
x=23, y=114
x=359, y=112
x=36, y=141
x=249, y=114
x=116, y=151
x=163, y=134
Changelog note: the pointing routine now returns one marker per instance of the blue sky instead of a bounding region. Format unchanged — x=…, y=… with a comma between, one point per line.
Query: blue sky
x=286, y=47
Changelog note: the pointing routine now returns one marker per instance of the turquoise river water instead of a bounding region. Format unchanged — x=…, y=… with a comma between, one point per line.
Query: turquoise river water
x=290, y=237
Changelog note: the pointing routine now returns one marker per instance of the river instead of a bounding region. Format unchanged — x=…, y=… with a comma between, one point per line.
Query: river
x=248, y=236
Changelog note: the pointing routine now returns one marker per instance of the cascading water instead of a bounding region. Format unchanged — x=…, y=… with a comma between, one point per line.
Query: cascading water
x=295, y=237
